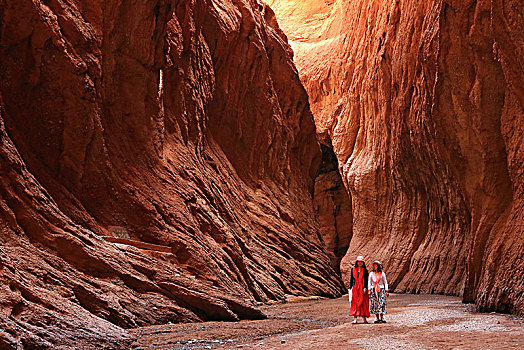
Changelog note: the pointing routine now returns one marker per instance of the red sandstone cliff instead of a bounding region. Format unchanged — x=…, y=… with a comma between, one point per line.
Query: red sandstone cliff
x=182, y=124
x=423, y=103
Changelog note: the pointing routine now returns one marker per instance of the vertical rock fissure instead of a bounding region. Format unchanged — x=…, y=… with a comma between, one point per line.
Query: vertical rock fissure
x=333, y=208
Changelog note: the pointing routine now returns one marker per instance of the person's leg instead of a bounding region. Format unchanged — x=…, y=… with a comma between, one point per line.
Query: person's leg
x=383, y=307
x=373, y=307
x=365, y=319
x=354, y=320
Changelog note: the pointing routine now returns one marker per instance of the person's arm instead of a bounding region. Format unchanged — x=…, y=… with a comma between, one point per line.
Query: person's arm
x=366, y=278
x=370, y=282
x=351, y=279
x=386, y=286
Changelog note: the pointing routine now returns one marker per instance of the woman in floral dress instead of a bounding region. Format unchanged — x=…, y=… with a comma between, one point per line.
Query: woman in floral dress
x=378, y=291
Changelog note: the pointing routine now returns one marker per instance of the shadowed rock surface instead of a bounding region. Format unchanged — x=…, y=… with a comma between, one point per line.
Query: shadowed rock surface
x=333, y=208
x=181, y=132
x=423, y=103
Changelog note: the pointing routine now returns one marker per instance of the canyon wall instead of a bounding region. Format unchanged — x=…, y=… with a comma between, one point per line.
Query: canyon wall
x=422, y=103
x=157, y=165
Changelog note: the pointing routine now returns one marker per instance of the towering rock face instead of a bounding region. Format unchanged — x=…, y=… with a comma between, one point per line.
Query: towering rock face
x=423, y=104
x=176, y=126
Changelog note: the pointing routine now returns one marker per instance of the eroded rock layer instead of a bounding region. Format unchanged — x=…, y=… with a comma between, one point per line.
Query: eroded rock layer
x=423, y=104
x=179, y=130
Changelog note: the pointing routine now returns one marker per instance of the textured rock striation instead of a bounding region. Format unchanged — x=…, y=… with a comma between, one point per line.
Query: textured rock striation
x=178, y=130
x=423, y=104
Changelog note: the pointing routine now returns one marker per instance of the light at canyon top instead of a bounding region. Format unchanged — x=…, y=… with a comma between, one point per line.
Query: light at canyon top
x=302, y=20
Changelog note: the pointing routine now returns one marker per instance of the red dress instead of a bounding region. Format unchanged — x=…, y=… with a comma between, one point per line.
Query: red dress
x=360, y=301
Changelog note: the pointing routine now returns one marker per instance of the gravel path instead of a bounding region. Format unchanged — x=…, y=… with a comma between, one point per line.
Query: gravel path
x=414, y=322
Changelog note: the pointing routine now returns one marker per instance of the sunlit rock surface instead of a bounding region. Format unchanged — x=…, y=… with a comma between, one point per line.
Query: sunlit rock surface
x=423, y=105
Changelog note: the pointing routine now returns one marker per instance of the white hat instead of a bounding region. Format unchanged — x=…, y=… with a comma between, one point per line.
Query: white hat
x=359, y=258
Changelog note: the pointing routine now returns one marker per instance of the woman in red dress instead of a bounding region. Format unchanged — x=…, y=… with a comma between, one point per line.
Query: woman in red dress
x=358, y=285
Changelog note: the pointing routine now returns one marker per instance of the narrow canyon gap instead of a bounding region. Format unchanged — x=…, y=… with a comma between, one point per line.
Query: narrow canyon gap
x=422, y=104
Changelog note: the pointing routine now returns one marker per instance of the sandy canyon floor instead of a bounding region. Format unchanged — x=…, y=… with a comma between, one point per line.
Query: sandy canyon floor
x=414, y=322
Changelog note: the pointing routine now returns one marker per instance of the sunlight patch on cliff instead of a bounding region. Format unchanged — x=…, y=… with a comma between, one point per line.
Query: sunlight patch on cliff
x=302, y=20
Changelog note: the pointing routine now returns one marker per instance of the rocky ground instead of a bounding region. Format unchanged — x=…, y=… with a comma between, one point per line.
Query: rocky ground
x=414, y=321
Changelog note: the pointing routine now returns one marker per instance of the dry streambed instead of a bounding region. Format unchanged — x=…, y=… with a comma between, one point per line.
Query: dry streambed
x=414, y=321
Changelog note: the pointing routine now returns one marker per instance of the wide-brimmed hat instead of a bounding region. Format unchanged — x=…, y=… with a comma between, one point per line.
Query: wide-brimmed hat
x=359, y=258
x=378, y=263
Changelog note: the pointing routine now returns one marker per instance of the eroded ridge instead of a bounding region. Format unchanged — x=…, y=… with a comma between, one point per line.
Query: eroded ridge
x=157, y=165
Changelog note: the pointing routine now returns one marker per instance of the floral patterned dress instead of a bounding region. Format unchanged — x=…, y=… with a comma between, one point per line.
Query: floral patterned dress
x=378, y=286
